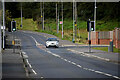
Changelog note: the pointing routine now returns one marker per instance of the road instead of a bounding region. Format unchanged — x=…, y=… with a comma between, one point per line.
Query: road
x=62, y=63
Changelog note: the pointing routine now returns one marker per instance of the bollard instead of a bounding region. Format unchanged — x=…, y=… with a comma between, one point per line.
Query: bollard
x=110, y=47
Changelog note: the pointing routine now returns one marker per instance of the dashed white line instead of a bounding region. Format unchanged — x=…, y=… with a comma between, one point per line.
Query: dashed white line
x=28, y=63
x=34, y=71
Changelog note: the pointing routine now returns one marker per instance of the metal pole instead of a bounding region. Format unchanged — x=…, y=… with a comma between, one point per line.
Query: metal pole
x=75, y=19
x=95, y=15
x=73, y=23
x=62, y=19
x=58, y=21
x=0, y=27
x=43, y=16
x=21, y=14
x=89, y=36
x=56, y=18
x=3, y=24
x=13, y=42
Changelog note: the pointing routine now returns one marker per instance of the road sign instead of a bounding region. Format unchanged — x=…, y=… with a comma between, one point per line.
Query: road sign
x=61, y=22
x=2, y=27
x=13, y=42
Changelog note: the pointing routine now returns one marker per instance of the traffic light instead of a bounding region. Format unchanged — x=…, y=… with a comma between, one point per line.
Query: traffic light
x=13, y=25
x=92, y=25
x=88, y=25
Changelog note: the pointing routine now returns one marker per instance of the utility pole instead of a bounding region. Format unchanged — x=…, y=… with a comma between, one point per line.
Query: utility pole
x=95, y=15
x=43, y=17
x=3, y=24
x=41, y=14
x=75, y=19
x=21, y=15
x=58, y=21
x=73, y=23
x=0, y=29
x=56, y=18
x=62, y=19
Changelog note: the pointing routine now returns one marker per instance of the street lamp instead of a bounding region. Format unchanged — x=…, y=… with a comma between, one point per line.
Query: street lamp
x=21, y=15
x=3, y=24
x=95, y=15
x=73, y=40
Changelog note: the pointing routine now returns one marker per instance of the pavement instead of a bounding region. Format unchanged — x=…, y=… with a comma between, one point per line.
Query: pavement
x=12, y=63
x=0, y=65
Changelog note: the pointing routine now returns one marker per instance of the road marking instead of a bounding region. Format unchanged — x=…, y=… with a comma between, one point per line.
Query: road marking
x=35, y=41
x=34, y=71
x=100, y=72
x=28, y=63
x=88, y=55
x=88, y=69
x=31, y=67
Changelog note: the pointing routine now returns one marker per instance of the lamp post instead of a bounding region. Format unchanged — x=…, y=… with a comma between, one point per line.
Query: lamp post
x=73, y=40
x=95, y=15
x=3, y=24
x=0, y=28
x=21, y=15
x=62, y=19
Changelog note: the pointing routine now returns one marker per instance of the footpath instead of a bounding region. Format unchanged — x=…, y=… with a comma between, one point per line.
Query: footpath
x=12, y=63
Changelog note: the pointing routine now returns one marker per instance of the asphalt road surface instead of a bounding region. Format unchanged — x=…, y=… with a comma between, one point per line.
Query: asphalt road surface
x=61, y=63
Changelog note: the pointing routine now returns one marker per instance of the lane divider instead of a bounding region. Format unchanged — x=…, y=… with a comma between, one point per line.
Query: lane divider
x=78, y=65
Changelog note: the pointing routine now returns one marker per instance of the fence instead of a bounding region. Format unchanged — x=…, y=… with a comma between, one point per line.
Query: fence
x=104, y=37
x=116, y=37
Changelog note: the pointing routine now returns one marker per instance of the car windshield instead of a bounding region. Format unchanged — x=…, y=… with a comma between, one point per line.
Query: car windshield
x=52, y=39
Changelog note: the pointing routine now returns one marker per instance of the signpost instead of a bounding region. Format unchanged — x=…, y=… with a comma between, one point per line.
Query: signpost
x=13, y=26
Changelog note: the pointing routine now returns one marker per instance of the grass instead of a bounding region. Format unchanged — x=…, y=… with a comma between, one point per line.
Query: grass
x=28, y=24
x=115, y=50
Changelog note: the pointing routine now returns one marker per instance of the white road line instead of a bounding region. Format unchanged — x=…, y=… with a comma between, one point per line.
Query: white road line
x=34, y=71
x=106, y=74
x=88, y=55
x=99, y=72
x=28, y=63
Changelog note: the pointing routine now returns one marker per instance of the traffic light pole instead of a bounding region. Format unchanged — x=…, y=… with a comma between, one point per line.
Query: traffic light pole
x=89, y=36
x=13, y=42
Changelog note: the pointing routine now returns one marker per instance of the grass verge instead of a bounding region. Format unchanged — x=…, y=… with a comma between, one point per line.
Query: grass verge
x=115, y=50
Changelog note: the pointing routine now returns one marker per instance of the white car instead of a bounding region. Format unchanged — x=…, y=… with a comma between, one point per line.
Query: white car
x=52, y=42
